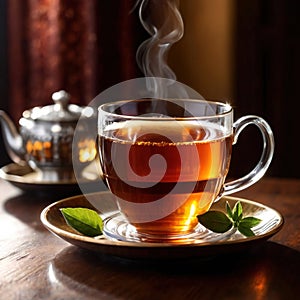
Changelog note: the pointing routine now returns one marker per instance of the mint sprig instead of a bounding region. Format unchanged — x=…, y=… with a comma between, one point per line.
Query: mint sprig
x=219, y=222
x=84, y=220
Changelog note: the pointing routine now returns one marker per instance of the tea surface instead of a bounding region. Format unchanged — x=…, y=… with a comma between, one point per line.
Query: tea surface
x=180, y=162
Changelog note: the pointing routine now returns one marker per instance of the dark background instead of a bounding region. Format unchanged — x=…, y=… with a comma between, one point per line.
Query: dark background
x=267, y=82
x=267, y=65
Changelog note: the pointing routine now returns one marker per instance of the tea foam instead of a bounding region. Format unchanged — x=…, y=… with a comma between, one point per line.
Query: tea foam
x=177, y=131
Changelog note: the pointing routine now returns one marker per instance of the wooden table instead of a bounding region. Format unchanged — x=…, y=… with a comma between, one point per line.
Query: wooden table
x=35, y=264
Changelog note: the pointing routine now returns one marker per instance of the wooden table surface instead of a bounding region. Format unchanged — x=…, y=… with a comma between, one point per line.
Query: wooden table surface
x=35, y=264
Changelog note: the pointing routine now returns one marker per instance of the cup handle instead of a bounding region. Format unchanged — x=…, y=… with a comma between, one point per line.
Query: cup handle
x=265, y=159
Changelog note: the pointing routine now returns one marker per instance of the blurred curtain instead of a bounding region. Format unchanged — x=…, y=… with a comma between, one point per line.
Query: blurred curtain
x=267, y=83
x=80, y=46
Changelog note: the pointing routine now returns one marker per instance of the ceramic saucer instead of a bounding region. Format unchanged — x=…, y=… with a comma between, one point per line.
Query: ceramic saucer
x=103, y=202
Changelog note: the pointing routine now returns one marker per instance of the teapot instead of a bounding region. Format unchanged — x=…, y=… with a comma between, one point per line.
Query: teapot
x=45, y=138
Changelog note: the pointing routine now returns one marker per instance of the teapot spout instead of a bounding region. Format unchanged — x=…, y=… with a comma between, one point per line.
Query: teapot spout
x=12, y=140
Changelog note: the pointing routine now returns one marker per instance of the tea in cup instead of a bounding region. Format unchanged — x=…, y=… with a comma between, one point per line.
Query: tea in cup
x=166, y=160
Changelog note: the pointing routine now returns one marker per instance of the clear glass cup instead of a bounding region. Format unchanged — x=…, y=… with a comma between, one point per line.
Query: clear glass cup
x=166, y=161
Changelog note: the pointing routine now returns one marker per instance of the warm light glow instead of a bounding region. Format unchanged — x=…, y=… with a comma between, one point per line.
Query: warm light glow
x=207, y=48
x=29, y=146
x=37, y=146
x=87, y=150
x=47, y=145
x=39, y=150
x=192, y=213
x=260, y=284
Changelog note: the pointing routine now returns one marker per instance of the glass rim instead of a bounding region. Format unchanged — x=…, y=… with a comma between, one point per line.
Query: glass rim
x=227, y=106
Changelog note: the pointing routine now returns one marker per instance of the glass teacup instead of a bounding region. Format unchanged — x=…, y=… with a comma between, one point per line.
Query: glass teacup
x=166, y=160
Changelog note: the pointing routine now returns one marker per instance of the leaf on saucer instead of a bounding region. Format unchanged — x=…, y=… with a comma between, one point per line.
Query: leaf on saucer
x=229, y=210
x=246, y=224
x=219, y=222
x=237, y=212
x=246, y=231
x=84, y=220
x=250, y=221
x=215, y=221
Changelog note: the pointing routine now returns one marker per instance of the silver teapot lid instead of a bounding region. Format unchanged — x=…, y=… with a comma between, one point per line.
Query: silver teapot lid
x=60, y=111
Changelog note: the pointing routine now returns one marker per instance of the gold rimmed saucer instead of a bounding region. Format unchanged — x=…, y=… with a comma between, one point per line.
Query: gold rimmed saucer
x=53, y=220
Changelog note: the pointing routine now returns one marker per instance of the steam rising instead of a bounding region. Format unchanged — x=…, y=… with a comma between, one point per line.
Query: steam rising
x=162, y=20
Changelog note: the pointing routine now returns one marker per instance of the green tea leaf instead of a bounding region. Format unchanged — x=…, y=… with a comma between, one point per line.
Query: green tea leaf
x=249, y=222
x=215, y=221
x=237, y=212
x=84, y=220
x=229, y=211
x=245, y=230
x=220, y=222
